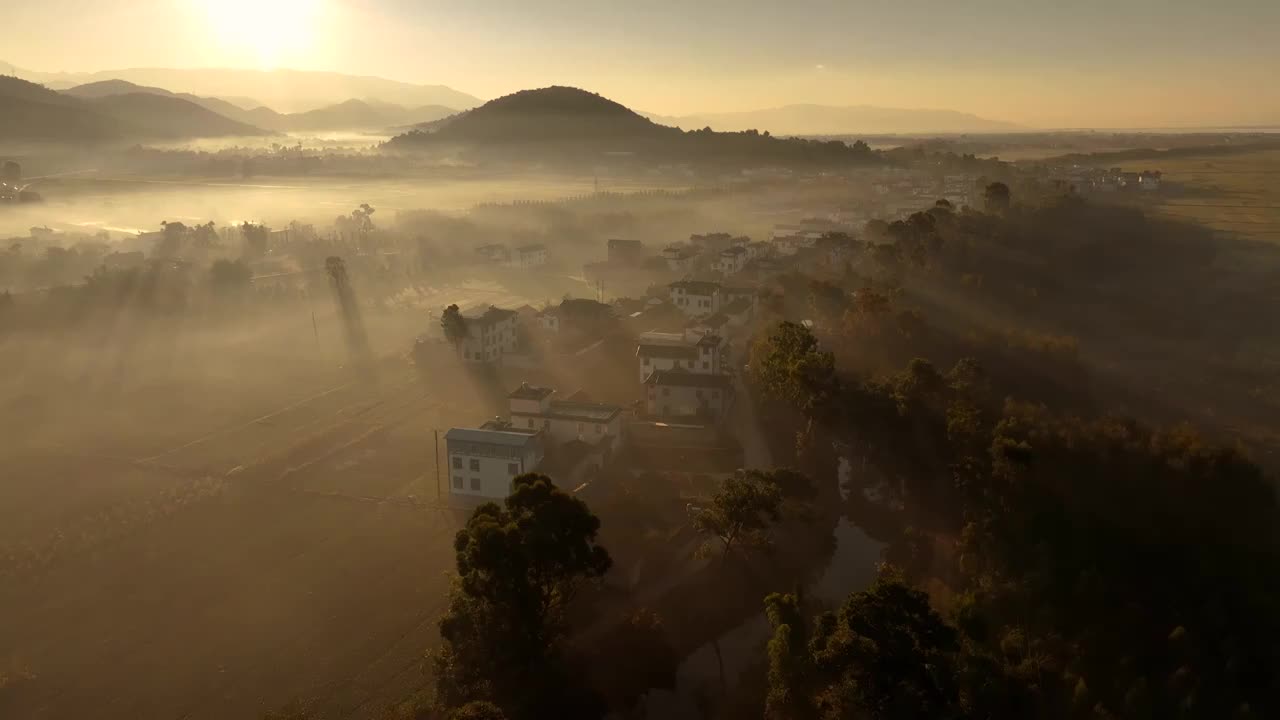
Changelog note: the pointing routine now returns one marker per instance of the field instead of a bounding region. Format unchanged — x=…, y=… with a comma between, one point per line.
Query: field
x=1237, y=193
x=214, y=528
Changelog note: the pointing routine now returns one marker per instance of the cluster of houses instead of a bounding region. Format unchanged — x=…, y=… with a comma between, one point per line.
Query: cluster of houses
x=685, y=385
x=1106, y=180
x=523, y=256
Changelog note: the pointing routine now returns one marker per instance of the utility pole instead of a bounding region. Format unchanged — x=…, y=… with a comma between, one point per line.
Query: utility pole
x=436, y=433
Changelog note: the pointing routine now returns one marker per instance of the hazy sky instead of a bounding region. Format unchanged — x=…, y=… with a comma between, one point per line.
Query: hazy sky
x=1045, y=63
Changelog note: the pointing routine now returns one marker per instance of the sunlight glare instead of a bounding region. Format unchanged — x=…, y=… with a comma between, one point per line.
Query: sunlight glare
x=264, y=33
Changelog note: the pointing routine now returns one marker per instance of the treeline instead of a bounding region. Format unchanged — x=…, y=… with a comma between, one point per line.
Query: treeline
x=1076, y=563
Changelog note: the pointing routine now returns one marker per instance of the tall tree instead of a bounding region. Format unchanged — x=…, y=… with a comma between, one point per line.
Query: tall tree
x=996, y=197
x=454, y=326
x=741, y=511
x=519, y=566
x=788, y=365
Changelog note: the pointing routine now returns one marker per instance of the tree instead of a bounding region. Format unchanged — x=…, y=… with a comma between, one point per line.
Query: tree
x=255, y=238
x=884, y=655
x=228, y=277
x=519, y=565
x=996, y=197
x=478, y=710
x=790, y=666
x=741, y=511
x=454, y=326
x=634, y=659
x=788, y=365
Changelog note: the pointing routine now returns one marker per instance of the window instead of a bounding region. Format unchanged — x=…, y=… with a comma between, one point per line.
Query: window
x=706, y=365
x=579, y=427
x=513, y=468
x=599, y=429
x=546, y=424
x=475, y=484
x=457, y=482
x=530, y=422
x=475, y=465
x=457, y=463
x=697, y=394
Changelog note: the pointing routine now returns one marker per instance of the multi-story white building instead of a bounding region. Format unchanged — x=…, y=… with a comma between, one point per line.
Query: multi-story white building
x=680, y=258
x=731, y=260
x=695, y=297
x=682, y=394
x=490, y=334
x=533, y=409
x=527, y=256
x=482, y=462
x=692, y=352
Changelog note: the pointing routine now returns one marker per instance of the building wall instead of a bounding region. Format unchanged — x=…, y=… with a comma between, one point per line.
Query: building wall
x=708, y=363
x=531, y=407
x=695, y=305
x=562, y=431
x=488, y=477
x=666, y=400
x=480, y=346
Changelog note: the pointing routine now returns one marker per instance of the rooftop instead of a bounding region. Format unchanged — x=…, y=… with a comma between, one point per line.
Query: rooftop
x=506, y=438
x=487, y=316
x=681, y=378
x=531, y=248
x=530, y=392
x=735, y=250
x=575, y=410
x=684, y=351
x=696, y=287
x=617, y=242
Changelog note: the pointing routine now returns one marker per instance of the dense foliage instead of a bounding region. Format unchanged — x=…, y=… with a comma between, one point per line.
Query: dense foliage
x=1092, y=565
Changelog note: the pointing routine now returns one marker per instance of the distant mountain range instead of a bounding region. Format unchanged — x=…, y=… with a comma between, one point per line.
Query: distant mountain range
x=33, y=112
x=348, y=115
x=835, y=120
x=284, y=90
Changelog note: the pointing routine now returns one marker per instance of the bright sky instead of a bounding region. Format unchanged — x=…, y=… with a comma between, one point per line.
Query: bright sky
x=1042, y=63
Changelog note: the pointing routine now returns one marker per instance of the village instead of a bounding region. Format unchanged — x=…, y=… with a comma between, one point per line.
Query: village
x=688, y=340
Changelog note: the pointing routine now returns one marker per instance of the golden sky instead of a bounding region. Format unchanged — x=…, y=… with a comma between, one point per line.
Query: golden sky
x=1040, y=63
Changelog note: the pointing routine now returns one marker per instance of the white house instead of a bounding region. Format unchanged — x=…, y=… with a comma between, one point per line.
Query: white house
x=533, y=409
x=695, y=297
x=680, y=258
x=490, y=334
x=731, y=260
x=527, y=256
x=482, y=462
x=549, y=319
x=690, y=351
x=629, y=252
x=682, y=394
x=495, y=253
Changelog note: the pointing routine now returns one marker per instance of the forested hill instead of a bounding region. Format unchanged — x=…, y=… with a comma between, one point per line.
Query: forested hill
x=33, y=112
x=565, y=122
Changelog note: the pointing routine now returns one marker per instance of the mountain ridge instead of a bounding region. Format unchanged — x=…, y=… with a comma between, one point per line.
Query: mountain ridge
x=284, y=90
x=36, y=113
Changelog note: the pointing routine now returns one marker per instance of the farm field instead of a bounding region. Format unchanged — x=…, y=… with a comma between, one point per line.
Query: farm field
x=1235, y=193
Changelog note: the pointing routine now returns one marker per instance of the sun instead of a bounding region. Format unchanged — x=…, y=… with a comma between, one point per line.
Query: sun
x=264, y=33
